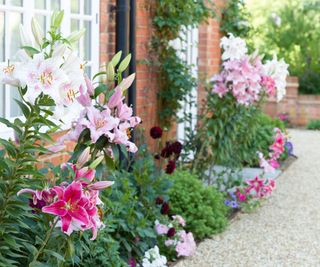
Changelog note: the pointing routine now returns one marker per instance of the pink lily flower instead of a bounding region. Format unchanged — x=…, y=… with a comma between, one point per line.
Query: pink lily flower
x=124, y=112
x=100, y=123
x=69, y=206
x=47, y=195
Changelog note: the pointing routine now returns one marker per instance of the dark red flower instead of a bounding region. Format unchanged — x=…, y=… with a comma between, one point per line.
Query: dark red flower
x=165, y=208
x=159, y=200
x=171, y=232
x=156, y=132
x=171, y=166
x=176, y=147
x=167, y=151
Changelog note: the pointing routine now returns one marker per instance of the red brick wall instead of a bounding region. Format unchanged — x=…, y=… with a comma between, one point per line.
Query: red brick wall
x=300, y=108
x=209, y=49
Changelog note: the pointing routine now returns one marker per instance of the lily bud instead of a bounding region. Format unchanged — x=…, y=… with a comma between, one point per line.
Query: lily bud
x=84, y=157
x=37, y=31
x=126, y=82
x=110, y=72
x=57, y=18
x=100, y=185
x=96, y=162
x=59, y=51
x=75, y=36
x=116, y=98
x=24, y=37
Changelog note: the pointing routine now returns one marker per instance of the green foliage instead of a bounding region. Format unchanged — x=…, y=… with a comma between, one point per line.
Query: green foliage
x=18, y=170
x=235, y=19
x=131, y=210
x=104, y=250
x=202, y=207
x=295, y=37
x=176, y=80
x=230, y=135
x=314, y=125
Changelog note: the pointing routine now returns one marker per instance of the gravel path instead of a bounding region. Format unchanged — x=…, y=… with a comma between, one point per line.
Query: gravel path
x=285, y=231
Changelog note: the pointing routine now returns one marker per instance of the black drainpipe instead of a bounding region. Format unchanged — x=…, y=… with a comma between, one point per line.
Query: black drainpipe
x=132, y=49
x=126, y=42
x=122, y=27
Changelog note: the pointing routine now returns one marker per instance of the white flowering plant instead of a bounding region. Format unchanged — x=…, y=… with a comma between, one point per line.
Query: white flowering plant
x=46, y=208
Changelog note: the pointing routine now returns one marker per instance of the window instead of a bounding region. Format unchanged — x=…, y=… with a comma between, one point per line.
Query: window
x=78, y=14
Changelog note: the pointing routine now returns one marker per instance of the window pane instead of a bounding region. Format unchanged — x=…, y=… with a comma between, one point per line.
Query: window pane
x=2, y=101
x=42, y=21
x=40, y=4
x=15, y=2
x=87, y=7
x=14, y=19
x=2, y=55
x=87, y=41
x=14, y=108
x=55, y=5
x=75, y=6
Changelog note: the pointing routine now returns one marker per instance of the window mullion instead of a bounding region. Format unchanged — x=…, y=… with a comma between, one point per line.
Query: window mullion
x=66, y=23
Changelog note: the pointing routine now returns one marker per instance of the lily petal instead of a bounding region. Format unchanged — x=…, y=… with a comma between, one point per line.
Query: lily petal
x=57, y=208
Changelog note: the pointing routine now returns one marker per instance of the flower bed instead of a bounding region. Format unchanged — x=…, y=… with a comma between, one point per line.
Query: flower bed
x=113, y=203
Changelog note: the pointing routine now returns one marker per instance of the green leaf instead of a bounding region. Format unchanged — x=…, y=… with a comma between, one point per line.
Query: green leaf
x=30, y=50
x=24, y=108
x=100, y=89
x=54, y=254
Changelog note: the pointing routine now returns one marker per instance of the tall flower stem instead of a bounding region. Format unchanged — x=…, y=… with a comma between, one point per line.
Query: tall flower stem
x=44, y=244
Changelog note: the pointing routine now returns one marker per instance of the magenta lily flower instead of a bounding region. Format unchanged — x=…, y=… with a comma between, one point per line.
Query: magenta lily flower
x=256, y=184
x=69, y=206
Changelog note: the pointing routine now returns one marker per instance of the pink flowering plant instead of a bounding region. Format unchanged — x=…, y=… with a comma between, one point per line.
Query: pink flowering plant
x=174, y=241
x=230, y=126
x=44, y=205
x=249, y=194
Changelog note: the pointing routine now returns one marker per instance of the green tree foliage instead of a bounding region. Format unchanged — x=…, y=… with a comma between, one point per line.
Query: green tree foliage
x=292, y=30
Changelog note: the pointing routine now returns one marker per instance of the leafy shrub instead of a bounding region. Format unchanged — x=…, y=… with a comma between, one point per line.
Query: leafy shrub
x=314, y=125
x=202, y=207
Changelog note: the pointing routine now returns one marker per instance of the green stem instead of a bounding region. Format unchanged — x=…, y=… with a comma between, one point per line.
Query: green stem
x=44, y=244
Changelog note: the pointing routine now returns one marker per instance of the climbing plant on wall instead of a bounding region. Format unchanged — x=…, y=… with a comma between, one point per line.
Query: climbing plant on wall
x=175, y=78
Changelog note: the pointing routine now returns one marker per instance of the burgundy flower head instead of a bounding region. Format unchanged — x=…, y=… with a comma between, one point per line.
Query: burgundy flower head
x=176, y=147
x=171, y=166
x=171, y=232
x=165, y=208
x=159, y=200
x=167, y=151
x=156, y=132
x=132, y=262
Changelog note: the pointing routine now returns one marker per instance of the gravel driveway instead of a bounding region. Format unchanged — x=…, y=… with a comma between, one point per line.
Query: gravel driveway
x=285, y=231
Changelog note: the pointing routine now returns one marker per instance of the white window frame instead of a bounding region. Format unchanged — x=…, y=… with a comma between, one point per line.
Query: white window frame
x=28, y=10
